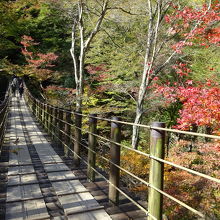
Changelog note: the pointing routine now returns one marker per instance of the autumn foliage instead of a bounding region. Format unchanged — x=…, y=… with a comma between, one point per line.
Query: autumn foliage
x=39, y=64
x=195, y=26
x=201, y=104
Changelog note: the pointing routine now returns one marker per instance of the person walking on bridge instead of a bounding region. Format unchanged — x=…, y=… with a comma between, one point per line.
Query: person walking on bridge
x=14, y=85
x=21, y=89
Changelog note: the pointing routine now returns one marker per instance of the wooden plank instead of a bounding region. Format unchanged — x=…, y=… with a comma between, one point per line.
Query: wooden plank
x=96, y=214
x=46, y=153
x=28, y=179
x=71, y=186
x=78, y=202
x=13, y=158
x=13, y=170
x=13, y=180
x=24, y=156
x=26, y=169
x=61, y=175
x=55, y=167
x=25, y=192
x=32, y=210
x=36, y=209
x=22, y=179
x=30, y=164
x=13, y=193
x=19, y=154
x=14, y=211
x=31, y=191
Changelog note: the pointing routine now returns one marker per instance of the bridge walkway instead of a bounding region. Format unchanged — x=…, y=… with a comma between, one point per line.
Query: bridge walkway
x=39, y=184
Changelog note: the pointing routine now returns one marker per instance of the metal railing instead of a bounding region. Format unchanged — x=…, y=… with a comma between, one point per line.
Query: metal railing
x=4, y=111
x=58, y=122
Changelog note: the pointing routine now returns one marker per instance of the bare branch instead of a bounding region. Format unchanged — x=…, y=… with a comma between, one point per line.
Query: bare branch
x=109, y=35
x=184, y=41
x=125, y=11
x=72, y=49
x=98, y=24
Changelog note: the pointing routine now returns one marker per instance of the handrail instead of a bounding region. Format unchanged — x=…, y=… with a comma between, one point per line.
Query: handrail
x=135, y=124
x=138, y=151
x=4, y=111
x=57, y=125
x=141, y=125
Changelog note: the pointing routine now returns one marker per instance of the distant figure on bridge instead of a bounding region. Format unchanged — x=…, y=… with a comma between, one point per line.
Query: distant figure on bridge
x=14, y=85
x=21, y=89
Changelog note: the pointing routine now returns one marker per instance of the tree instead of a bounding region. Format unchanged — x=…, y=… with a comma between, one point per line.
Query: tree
x=84, y=10
x=185, y=26
x=38, y=64
x=9, y=29
x=200, y=103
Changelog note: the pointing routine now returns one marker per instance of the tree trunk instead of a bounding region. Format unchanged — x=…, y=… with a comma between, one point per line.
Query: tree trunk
x=136, y=129
x=79, y=59
x=80, y=83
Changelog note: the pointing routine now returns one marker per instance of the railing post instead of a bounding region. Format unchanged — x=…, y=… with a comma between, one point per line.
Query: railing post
x=60, y=127
x=34, y=105
x=77, y=136
x=67, y=131
x=46, y=117
x=38, y=110
x=3, y=119
x=2, y=112
x=55, y=123
x=155, y=199
x=114, y=158
x=42, y=114
x=49, y=118
x=92, y=147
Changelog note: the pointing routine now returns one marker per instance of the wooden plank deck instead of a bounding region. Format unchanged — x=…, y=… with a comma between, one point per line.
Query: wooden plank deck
x=40, y=185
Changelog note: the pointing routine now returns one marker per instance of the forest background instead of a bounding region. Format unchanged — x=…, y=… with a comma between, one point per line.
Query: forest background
x=143, y=61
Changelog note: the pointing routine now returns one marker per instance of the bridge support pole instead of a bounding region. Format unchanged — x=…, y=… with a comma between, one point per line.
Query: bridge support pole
x=47, y=117
x=60, y=127
x=2, y=123
x=115, y=159
x=33, y=105
x=155, y=199
x=3, y=111
x=67, y=131
x=42, y=114
x=40, y=111
x=52, y=122
x=78, y=137
x=92, y=147
x=49, y=110
x=37, y=110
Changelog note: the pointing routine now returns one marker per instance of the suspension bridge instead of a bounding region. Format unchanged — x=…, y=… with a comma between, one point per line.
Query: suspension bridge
x=46, y=175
